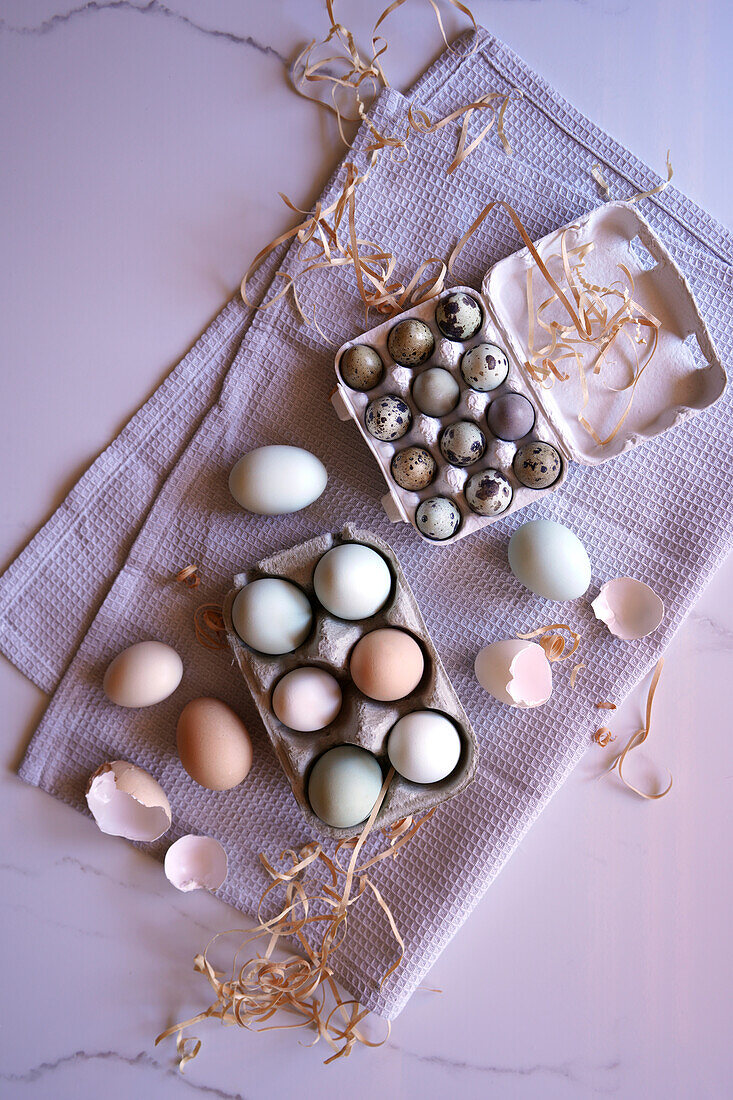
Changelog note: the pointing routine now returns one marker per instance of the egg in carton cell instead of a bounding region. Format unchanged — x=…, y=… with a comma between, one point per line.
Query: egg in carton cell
x=443, y=465
x=686, y=377
x=361, y=721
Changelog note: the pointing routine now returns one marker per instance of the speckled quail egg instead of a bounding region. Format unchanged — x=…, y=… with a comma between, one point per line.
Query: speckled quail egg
x=435, y=391
x=438, y=518
x=510, y=416
x=458, y=316
x=488, y=493
x=388, y=417
x=462, y=443
x=411, y=342
x=537, y=465
x=484, y=367
x=361, y=367
x=413, y=468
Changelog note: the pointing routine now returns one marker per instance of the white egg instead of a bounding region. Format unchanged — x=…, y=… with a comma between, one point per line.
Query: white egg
x=144, y=674
x=274, y=480
x=424, y=746
x=549, y=559
x=352, y=581
x=272, y=615
x=515, y=671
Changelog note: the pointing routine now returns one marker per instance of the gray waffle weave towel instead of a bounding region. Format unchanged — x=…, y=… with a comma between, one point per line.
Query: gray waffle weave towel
x=95, y=578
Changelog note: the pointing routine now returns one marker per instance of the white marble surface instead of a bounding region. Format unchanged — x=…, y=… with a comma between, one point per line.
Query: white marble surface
x=602, y=952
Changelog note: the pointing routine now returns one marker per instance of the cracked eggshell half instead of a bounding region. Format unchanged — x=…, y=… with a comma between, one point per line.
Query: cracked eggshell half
x=126, y=801
x=195, y=863
x=629, y=608
x=515, y=672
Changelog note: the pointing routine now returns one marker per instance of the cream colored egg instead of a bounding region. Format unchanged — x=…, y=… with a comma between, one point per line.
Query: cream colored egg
x=142, y=675
x=307, y=699
x=213, y=744
x=273, y=481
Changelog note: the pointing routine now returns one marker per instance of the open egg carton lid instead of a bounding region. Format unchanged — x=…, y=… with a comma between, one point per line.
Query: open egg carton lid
x=362, y=721
x=685, y=375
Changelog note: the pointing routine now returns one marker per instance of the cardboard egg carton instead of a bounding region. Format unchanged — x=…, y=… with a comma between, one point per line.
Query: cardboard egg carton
x=684, y=377
x=361, y=721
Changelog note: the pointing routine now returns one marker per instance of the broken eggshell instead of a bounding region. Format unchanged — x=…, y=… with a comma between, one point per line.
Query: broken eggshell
x=515, y=672
x=126, y=801
x=195, y=863
x=629, y=608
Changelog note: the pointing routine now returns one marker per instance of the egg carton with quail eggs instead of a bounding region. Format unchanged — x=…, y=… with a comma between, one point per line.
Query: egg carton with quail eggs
x=332, y=645
x=463, y=434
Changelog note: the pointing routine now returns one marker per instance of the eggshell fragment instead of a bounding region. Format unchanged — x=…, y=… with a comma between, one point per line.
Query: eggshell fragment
x=126, y=801
x=142, y=675
x=195, y=863
x=629, y=608
x=515, y=672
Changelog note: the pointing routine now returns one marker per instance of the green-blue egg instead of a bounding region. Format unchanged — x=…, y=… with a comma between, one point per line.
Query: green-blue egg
x=344, y=785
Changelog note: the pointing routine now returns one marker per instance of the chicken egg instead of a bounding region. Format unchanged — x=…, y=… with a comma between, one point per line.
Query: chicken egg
x=549, y=559
x=307, y=699
x=273, y=481
x=352, y=581
x=213, y=744
x=343, y=786
x=387, y=664
x=272, y=615
x=142, y=675
x=424, y=746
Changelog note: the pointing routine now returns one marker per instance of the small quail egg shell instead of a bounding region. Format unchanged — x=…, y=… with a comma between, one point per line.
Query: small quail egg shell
x=413, y=469
x=462, y=443
x=488, y=493
x=361, y=367
x=458, y=316
x=537, y=465
x=438, y=518
x=436, y=392
x=388, y=417
x=411, y=342
x=484, y=367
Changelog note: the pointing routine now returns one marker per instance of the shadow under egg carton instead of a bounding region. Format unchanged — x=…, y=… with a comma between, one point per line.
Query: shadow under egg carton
x=401, y=504
x=361, y=721
x=686, y=377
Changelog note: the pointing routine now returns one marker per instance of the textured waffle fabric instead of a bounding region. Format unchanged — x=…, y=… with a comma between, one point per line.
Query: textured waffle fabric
x=95, y=579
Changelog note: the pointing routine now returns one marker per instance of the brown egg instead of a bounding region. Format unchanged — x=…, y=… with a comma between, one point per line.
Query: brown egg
x=213, y=744
x=387, y=664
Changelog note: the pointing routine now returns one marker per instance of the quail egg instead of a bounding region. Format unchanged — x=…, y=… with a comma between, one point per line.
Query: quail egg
x=414, y=468
x=537, y=465
x=462, y=443
x=388, y=417
x=510, y=416
x=411, y=342
x=435, y=391
x=484, y=367
x=438, y=518
x=361, y=367
x=488, y=493
x=458, y=316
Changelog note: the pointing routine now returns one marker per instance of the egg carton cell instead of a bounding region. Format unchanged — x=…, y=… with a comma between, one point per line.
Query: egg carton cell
x=361, y=721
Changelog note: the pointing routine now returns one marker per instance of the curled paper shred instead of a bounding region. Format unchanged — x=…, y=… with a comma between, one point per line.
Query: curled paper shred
x=188, y=576
x=603, y=736
x=574, y=673
x=634, y=741
x=316, y=892
x=553, y=643
x=209, y=628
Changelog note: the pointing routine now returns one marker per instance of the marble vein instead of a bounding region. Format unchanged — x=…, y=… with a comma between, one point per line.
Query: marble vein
x=150, y=7
x=567, y=1070
x=44, y=1069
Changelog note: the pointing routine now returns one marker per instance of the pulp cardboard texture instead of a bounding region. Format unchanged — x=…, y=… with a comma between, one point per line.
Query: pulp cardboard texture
x=400, y=504
x=361, y=721
x=684, y=376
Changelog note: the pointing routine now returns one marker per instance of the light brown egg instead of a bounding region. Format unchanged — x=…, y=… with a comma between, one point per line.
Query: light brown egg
x=213, y=744
x=387, y=664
